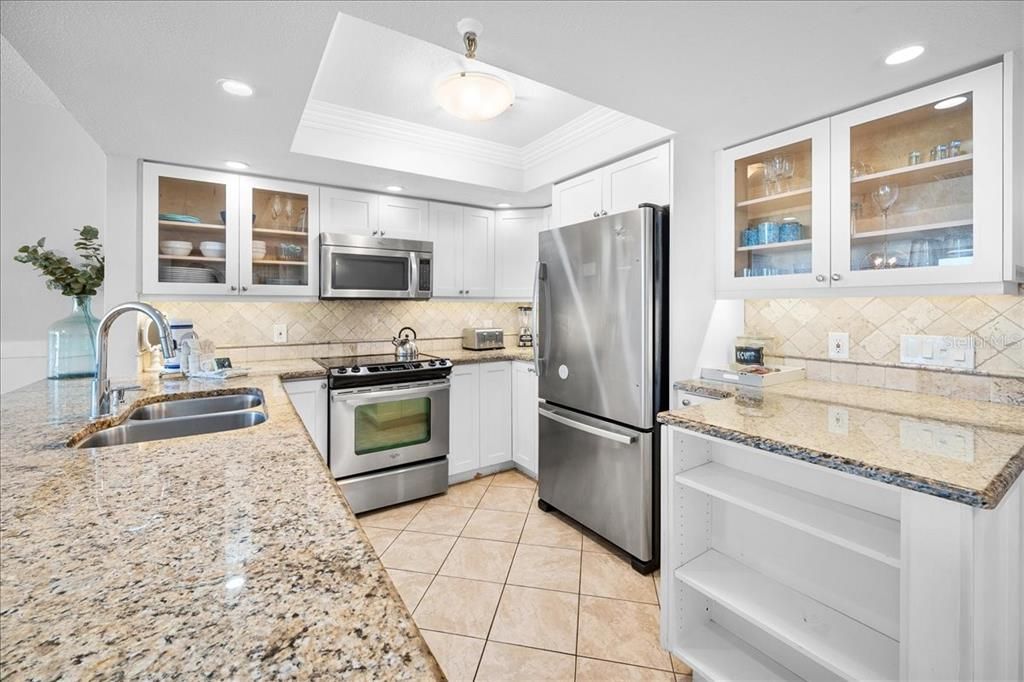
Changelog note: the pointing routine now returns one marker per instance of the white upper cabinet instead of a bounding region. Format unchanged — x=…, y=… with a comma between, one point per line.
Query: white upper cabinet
x=515, y=251
x=344, y=211
x=279, y=245
x=403, y=218
x=907, y=191
x=642, y=178
x=463, y=240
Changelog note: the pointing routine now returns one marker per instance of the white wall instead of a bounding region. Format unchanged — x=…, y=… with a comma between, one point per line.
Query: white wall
x=52, y=181
x=122, y=251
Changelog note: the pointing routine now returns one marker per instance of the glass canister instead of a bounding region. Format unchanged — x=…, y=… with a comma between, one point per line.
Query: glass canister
x=789, y=231
x=71, y=343
x=767, y=232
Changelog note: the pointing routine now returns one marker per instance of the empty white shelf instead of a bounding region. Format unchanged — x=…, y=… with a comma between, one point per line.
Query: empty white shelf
x=716, y=654
x=838, y=643
x=869, y=534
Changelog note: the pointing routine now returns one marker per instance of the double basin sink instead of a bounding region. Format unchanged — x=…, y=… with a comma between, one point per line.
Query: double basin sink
x=183, y=417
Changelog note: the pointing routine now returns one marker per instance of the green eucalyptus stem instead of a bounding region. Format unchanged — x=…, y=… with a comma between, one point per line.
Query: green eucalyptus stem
x=71, y=280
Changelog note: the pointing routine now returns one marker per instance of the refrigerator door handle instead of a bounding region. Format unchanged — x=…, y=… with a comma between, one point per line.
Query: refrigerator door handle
x=587, y=428
x=538, y=274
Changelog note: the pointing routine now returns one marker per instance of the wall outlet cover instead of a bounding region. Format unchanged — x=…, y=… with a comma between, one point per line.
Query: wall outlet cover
x=839, y=420
x=839, y=345
x=937, y=351
x=280, y=333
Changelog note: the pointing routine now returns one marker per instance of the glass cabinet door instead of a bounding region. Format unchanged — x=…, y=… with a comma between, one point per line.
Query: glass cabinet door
x=775, y=230
x=190, y=231
x=280, y=238
x=909, y=173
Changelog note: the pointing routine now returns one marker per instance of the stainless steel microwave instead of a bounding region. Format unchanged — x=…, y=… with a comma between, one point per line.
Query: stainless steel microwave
x=354, y=266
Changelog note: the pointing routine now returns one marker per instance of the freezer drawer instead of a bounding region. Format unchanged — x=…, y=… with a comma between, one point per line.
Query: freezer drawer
x=600, y=474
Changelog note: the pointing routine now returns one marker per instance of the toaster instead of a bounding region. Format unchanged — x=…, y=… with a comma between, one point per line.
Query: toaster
x=483, y=339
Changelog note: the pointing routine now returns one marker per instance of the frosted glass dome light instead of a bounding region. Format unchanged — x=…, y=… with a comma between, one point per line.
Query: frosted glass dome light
x=474, y=96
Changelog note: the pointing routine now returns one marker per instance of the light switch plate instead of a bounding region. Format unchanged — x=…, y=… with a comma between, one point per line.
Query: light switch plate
x=839, y=345
x=937, y=351
x=280, y=333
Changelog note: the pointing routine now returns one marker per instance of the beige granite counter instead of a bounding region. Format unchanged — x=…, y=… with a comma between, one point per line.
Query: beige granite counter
x=964, y=450
x=461, y=356
x=230, y=555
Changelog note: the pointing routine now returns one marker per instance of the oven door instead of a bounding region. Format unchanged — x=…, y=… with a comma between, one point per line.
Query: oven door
x=386, y=426
x=365, y=272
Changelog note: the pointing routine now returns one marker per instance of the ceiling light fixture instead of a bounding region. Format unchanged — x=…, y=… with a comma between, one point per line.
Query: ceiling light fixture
x=504, y=205
x=394, y=188
x=904, y=55
x=233, y=87
x=474, y=95
x=236, y=165
x=951, y=102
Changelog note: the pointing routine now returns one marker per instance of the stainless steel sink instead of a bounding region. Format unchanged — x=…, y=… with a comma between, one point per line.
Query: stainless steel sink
x=191, y=407
x=139, y=431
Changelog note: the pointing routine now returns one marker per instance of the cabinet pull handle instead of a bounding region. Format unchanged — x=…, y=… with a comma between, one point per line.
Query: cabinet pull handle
x=596, y=214
x=820, y=278
x=835, y=276
x=604, y=212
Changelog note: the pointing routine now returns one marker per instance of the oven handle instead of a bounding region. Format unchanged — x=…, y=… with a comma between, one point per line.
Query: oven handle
x=361, y=395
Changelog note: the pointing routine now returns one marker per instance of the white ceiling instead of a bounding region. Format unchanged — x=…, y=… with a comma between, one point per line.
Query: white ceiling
x=375, y=69
x=139, y=76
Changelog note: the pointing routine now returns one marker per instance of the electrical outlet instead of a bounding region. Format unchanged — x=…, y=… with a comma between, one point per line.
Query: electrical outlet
x=839, y=345
x=280, y=333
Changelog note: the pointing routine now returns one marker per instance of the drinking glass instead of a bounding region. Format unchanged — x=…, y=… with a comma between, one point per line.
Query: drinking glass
x=884, y=196
x=787, y=168
x=276, y=206
x=771, y=176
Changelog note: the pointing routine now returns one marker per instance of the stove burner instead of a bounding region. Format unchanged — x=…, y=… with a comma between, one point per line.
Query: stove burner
x=382, y=369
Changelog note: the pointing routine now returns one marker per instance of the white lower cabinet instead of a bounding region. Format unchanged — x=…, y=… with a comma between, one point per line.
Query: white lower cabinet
x=495, y=413
x=309, y=398
x=464, y=420
x=481, y=419
x=524, y=416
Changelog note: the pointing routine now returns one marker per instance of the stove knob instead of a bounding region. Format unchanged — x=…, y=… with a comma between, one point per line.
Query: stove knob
x=343, y=370
x=443, y=362
x=417, y=365
x=356, y=369
x=432, y=363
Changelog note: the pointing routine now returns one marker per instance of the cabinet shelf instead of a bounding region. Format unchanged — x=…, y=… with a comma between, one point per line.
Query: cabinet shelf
x=202, y=259
x=779, y=201
x=913, y=230
x=929, y=171
x=197, y=227
x=872, y=535
x=714, y=653
x=281, y=262
x=842, y=645
x=286, y=233
x=778, y=246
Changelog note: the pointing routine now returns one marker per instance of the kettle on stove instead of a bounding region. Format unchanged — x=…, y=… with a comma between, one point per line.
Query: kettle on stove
x=405, y=348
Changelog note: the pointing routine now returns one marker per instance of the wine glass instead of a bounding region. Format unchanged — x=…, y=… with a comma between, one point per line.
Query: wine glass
x=787, y=168
x=884, y=196
x=276, y=206
x=770, y=176
x=289, y=212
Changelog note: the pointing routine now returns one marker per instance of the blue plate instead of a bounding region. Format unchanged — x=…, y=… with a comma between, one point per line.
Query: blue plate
x=179, y=218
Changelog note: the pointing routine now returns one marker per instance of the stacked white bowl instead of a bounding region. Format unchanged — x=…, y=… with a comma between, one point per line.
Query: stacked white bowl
x=259, y=250
x=175, y=248
x=212, y=249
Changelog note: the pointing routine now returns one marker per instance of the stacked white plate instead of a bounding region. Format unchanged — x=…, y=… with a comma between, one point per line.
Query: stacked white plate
x=172, y=273
x=259, y=250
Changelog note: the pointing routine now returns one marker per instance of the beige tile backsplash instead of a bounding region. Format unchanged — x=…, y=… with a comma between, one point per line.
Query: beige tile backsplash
x=798, y=332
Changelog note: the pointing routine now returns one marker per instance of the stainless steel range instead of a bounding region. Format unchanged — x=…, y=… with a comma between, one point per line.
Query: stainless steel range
x=388, y=427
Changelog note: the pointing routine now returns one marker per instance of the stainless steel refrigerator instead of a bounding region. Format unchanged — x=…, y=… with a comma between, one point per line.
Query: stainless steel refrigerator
x=600, y=345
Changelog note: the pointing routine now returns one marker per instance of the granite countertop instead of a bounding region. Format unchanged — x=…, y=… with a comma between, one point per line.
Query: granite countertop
x=963, y=450
x=462, y=356
x=225, y=555
x=709, y=389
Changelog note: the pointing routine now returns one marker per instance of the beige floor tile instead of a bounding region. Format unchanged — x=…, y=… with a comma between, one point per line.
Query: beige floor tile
x=681, y=667
x=420, y=552
x=505, y=662
x=506, y=499
x=395, y=518
x=458, y=656
x=537, y=618
x=605, y=575
x=411, y=586
x=622, y=631
x=479, y=560
x=458, y=606
x=550, y=530
x=380, y=538
x=534, y=509
x=549, y=568
x=487, y=524
x=440, y=518
x=460, y=495
x=513, y=478
x=590, y=670
x=593, y=543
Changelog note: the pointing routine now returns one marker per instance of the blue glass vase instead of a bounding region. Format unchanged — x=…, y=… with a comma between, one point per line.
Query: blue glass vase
x=72, y=343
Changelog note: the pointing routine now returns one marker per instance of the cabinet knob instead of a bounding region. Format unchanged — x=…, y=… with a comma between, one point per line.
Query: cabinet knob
x=835, y=277
x=234, y=288
x=820, y=278
x=245, y=288
x=382, y=233
x=596, y=214
x=467, y=292
x=323, y=385
x=685, y=402
x=375, y=232
x=604, y=212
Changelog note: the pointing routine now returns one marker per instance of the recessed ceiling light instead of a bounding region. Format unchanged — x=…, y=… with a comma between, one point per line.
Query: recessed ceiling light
x=236, y=165
x=233, y=87
x=904, y=55
x=504, y=205
x=951, y=102
x=394, y=188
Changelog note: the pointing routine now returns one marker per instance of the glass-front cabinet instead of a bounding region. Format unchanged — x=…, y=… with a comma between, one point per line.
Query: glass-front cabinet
x=917, y=185
x=774, y=212
x=278, y=250
x=190, y=231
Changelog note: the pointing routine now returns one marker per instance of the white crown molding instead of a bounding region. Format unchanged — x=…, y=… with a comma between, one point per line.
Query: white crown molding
x=576, y=133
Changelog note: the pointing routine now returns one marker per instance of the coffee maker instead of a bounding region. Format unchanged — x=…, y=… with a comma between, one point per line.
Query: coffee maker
x=525, y=333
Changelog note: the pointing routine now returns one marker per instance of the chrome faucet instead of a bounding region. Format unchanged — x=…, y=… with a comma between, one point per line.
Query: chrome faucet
x=101, y=391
